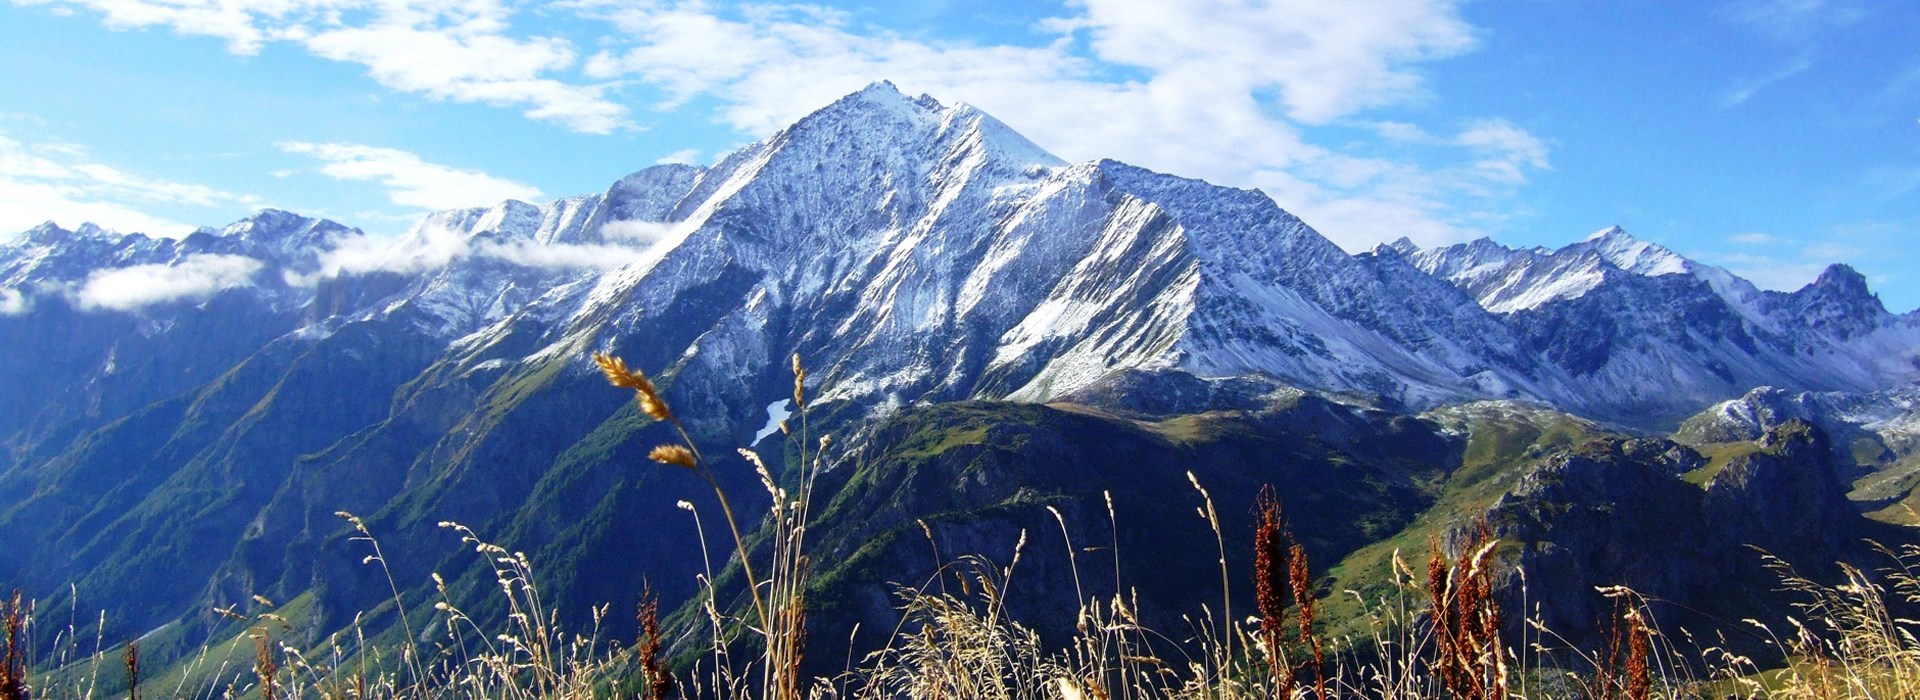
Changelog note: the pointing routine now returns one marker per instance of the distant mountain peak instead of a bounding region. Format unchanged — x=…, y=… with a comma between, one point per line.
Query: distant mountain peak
x=1842, y=278
x=1614, y=232
x=46, y=232
x=1620, y=249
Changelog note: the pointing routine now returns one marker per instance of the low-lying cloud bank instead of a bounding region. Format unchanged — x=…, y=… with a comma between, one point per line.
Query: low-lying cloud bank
x=191, y=277
x=431, y=247
x=427, y=248
x=12, y=302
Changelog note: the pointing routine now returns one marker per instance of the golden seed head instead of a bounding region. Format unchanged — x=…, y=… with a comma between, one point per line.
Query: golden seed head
x=651, y=404
x=617, y=372
x=619, y=375
x=796, y=364
x=677, y=455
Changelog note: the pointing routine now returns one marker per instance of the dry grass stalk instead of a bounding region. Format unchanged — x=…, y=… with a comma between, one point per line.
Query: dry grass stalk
x=781, y=611
x=648, y=396
x=1471, y=660
x=1302, y=586
x=132, y=658
x=1624, y=672
x=1282, y=580
x=1223, y=671
x=264, y=666
x=13, y=661
x=1271, y=581
x=647, y=648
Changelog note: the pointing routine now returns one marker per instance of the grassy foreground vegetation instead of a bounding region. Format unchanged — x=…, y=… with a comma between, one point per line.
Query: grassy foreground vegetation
x=1439, y=629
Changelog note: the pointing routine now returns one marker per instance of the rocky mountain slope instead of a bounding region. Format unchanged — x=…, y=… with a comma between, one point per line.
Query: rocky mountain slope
x=1646, y=328
x=182, y=418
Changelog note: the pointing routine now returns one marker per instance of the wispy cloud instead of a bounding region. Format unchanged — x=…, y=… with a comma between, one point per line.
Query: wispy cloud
x=564, y=256
x=193, y=277
x=12, y=302
x=639, y=232
x=1215, y=89
x=410, y=181
x=1325, y=59
x=1221, y=89
x=460, y=51
x=42, y=181
x=431, y=246
x=1796, y=21
x=685, y=156
x=1768, y=271
x=1786, y=263
x=1505, y=152
x=1753, y=238
x=1744, y=90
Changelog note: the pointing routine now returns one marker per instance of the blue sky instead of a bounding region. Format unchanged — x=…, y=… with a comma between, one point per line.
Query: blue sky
x=1770, y=137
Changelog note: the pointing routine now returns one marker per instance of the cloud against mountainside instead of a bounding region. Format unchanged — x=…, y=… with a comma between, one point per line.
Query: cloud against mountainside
x=12, y=302
x=410, y=181
x=193, y=277
x=430, y=246
x=46, y=181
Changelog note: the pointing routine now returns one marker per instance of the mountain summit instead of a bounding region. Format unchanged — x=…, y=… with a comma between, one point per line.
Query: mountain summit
x=909, y=250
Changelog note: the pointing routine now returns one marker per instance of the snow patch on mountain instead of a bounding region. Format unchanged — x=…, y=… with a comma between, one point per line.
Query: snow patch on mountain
x=925, y=251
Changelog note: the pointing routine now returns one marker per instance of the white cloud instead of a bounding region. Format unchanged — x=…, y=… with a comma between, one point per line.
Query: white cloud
x=1218, y=89
x=409, y=180
x=430, y=246
x=443, y=49
x=192, y=277
x=1326, y=59
x=1202, y=104
x=1796, y=21
x=1785, y=264
x=60, y=182
x=426, y=247
x=1744, y=90
x=1506, y=151
x=686, y=157
x=12, y=302
x=563, y=256
x=640, y=232
x=1770, y=272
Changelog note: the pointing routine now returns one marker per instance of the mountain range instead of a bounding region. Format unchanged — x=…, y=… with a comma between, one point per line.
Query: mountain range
x=180, y=419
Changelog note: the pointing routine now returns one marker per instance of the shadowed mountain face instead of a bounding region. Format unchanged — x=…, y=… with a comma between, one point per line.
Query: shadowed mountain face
x=181, y=419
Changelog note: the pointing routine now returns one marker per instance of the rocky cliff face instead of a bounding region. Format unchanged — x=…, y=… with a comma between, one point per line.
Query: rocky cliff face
x=1686, y=531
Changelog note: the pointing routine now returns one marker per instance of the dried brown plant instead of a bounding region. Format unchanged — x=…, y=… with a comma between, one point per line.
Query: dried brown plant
x=1470, y=659
x=13, y=662
x=264, y=665
x=647, y=648
x=1271, y=574
x=132, y=659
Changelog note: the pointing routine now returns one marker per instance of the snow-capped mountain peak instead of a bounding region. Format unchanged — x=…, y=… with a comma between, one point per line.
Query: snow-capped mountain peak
x=928, y=251
x=1621, y=250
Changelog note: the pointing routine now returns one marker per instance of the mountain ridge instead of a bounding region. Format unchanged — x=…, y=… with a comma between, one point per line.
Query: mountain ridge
x=911, y=252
